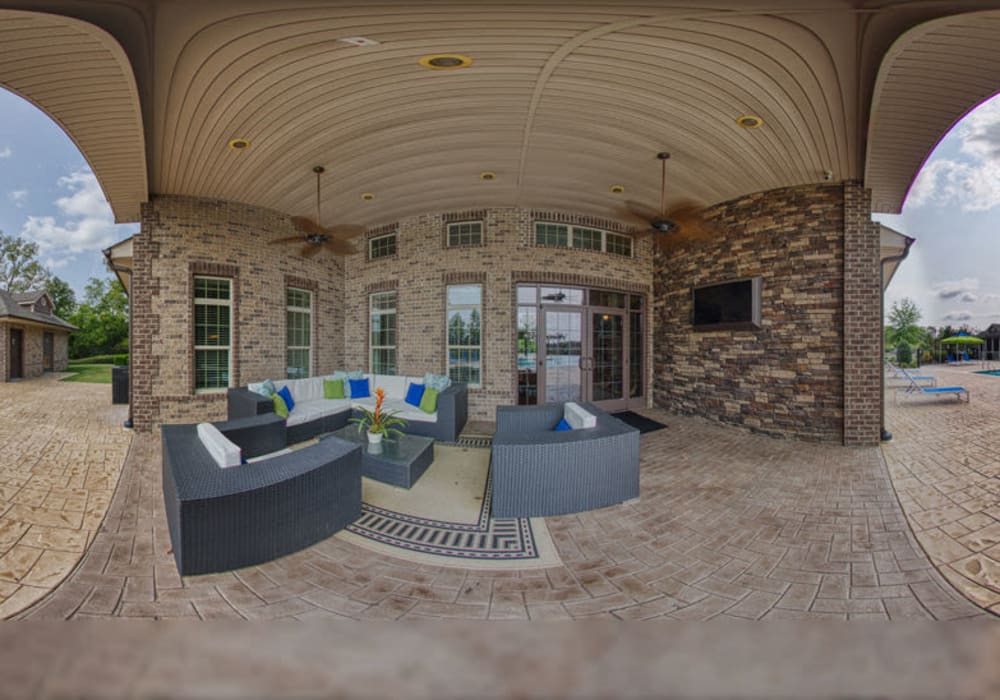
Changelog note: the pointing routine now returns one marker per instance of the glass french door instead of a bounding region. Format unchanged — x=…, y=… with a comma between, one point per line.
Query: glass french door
x=572, y=350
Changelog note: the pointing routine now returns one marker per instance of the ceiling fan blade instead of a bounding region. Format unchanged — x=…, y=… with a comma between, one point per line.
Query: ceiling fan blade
x=345, y=230
x=340, y=246
x=288, y=239
x=640, y=212
x=306, y=225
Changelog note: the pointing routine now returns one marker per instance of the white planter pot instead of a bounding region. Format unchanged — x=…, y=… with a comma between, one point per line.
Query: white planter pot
x=374, y=438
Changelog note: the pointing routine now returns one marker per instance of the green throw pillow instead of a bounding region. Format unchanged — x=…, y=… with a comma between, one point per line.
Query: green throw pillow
x=280, y=407
x=333, y=388
x=429, y=403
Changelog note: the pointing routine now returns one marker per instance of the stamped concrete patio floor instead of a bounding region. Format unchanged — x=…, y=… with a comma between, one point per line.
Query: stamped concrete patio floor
x=728, y=524
x=945, y=464
x=61, y=451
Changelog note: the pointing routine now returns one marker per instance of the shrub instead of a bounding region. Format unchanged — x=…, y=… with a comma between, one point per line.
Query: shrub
x=904, y=355
x=120, y=360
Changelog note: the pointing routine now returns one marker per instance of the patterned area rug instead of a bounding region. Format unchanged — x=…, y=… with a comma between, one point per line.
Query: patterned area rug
x=444, y=519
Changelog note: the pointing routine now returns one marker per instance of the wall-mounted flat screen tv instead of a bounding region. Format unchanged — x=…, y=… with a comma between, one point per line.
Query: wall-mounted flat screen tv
x=731, y=305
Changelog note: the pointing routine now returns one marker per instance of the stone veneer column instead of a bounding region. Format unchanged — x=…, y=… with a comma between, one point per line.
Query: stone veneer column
x=862, y=320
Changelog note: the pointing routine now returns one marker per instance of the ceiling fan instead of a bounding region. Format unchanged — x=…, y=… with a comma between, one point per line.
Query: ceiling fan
x=684, y=221
x=336, y=238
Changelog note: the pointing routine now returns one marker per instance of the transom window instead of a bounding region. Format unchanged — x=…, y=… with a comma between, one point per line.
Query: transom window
x=382, y=312
x=465, y=345
x=465, y=233
x=212, y=333
x=382, y=246
x=299, y=332
x=582, y=237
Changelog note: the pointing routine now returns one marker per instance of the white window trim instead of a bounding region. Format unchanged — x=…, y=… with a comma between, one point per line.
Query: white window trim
x=447, y=344
x=228, y=348
x=569, y=238
x=312, y=330
x=371, y=242
x=381, y=312
x=482, y=230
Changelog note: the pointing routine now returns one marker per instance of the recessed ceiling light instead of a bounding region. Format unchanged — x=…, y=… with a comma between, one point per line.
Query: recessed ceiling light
x=749, y=121
x=239, y=144
x=358, y=41
x=487, y=175
x=445, y=61
x=617, y=189
x=367, y=196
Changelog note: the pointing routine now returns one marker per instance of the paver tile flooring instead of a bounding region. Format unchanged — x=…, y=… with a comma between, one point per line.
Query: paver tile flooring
x=62, y=446
x=945, y=464
x=727, y=525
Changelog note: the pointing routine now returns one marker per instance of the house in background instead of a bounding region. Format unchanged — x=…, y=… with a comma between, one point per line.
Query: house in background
x=33, y=340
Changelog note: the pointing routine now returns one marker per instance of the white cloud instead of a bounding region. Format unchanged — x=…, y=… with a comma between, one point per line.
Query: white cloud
x=973, y=182
x=963, y=288
x=5, y=152
x=86, y=223
x=18, y=197
x=968, y=297
x=957, y=316
x=56, y=263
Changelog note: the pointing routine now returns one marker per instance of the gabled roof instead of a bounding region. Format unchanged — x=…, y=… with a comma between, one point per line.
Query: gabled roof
x=28, y=297
x=10, y=308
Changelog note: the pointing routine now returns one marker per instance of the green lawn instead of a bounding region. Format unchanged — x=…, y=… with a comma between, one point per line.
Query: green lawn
x=91, y=374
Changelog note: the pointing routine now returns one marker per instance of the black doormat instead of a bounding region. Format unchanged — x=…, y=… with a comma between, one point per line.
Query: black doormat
x=645, y=425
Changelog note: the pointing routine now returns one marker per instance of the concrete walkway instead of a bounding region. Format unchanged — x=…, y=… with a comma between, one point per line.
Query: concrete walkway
x=61, y=450
x=945, y=464
x=728, y=525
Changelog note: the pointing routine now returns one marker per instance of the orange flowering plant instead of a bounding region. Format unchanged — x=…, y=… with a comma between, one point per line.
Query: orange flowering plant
x=386, y=423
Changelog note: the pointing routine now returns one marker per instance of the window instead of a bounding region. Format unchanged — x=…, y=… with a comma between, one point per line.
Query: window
x=465, y=308
x=465, y=233
x=382, y=246
x=212, y=333
x=382, y=307
x=581, y=237
x=299, y=332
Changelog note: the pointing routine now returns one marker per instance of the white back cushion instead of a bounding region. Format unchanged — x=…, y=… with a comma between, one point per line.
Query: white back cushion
x=224, y=452
x=577, y=417
x=310, y=389
x=394, y=385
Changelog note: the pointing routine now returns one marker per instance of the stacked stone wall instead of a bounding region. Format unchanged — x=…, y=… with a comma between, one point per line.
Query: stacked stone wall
x=787, y=377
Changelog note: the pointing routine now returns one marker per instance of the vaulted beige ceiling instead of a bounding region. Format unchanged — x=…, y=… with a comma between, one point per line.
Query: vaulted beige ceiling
x=81, y=77
x=564, y=98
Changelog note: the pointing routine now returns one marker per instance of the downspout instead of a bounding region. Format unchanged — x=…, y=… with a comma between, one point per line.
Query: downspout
x=118, y=269
x=886, y=435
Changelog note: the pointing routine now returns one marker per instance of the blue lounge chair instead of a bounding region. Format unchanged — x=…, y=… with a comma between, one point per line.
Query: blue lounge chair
x=898, y=373
x=915, y=389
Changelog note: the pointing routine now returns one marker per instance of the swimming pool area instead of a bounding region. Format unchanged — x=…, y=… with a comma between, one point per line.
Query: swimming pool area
x=994, y=372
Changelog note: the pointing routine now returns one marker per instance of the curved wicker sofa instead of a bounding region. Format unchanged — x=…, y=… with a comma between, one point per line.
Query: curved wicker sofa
x=222, y=519
x=538, y=472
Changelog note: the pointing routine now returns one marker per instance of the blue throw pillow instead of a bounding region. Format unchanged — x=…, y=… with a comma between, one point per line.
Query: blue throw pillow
x=563, y=425
x=286, y=395
x=359, y=388
x=414, y=393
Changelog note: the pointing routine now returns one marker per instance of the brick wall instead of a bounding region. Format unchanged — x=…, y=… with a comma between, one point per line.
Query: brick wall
x=862, y=320
x=787, y=378
x=424, y=266
x=182, y=237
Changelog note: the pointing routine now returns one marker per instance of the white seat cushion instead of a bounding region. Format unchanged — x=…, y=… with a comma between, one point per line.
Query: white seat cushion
x=577, y=417
x=223, y=451
x=303, y=413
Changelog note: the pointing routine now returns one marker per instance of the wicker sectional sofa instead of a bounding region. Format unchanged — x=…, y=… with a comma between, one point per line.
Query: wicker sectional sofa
x=227, y=518
x=314, y=415
x=537, y=471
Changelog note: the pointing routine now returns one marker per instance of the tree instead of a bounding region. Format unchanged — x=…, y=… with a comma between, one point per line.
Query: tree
x=63, y=297
x=20, y=270
x=903, y=328
x=102, y=319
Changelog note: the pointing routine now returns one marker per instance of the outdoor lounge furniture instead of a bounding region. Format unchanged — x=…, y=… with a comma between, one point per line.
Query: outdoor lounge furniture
x=900, y=377
x=314, y=415
x=227, y=518
x=914, y=389
x=537, y=471
x=398, y=461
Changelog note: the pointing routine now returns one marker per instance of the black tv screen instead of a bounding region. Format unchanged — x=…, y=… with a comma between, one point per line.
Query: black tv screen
x=728, y=306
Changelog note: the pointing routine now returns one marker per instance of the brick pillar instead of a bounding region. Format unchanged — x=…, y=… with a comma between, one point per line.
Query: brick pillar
x=145, y=323
x=862, y=320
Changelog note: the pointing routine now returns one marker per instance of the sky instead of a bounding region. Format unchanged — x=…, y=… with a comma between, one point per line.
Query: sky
x=49, y=195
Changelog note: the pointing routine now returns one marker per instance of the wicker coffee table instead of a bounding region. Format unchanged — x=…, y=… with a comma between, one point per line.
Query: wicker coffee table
x=399, y=462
